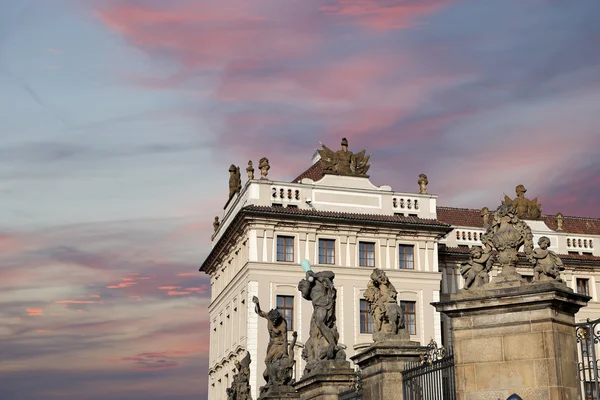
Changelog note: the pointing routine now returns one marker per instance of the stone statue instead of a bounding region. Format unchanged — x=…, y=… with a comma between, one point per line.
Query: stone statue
x=280, y=357
x=476, y=270
x=526, y=208
x=235, y=181
x=250, y=170
x=344, y=162
x=322, y=343
x=506, y=235
x=485, y=214
x=559, y=221
x=546, y=264
x=422, y=183
x=264, y=167
x=216, y=223
x=240, y=384
x=388, y=320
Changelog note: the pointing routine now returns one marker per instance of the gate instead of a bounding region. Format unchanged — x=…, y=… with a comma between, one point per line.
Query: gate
x=432, y=378
x=588, y=336
x=355, y=392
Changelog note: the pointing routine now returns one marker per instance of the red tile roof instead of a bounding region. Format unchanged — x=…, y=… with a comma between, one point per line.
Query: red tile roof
x=314, y=172
x=470, y=217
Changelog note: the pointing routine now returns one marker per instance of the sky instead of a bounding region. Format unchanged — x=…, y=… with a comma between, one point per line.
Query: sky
x=119, y=120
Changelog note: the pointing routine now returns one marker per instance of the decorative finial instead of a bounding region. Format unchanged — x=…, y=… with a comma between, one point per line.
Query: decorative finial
x=422, y=183
x=559, y=222
x=264, y=167
x=216, y=223
x=250, y=170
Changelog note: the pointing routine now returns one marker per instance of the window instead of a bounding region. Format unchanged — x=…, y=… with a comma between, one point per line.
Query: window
x=326, y=251
x=590, y=390
x=285, y=305
x=410, y=316
x=582, y=286
x=366, y=254
x=406, y=257
x=366, y=319
x=285, y=248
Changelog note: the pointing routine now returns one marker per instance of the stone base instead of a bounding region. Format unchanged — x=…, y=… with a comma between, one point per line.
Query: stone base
x=517, y=339
x=332, y=378
x=280, y=393
x=382, y=364
x=400, y=336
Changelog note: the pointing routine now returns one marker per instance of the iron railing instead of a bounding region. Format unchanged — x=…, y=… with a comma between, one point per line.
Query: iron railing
x=588, y=335
x=432, y=378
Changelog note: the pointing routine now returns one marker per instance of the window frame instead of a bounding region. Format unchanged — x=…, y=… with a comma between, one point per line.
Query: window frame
x=587, y=286
x=326, y=248
x=402, y=257
x=285, y=297
x=365, y=252
x=404, y=304
x=368, y=328
x=285, y=247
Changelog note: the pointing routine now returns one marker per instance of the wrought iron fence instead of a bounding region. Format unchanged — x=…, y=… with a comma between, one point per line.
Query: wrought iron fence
x=432, y=378
x=355, y=392
x=588, y=335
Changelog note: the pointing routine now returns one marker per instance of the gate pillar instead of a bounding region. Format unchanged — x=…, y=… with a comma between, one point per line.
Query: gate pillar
x=515, y=340
x=381, y=367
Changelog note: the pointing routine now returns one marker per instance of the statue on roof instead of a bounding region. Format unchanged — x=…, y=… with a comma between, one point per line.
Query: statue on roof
x=250, y=170
x=235, y=180
x=527, y=209
x=344, y=162
x=422, y=183
x=264, y=167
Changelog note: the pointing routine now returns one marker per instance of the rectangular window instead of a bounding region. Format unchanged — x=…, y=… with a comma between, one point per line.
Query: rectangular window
x=406, y=257
x=590, y=390
x=366, y=320
x=583, y=286
x=366, y=254
x=410, y=316
x=326, y=251
x=285, y=306
x=285, y=248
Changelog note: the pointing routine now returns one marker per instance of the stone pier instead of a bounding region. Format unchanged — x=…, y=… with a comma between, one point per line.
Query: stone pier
x=382, y=364
x=515, y=340
x=327, y=382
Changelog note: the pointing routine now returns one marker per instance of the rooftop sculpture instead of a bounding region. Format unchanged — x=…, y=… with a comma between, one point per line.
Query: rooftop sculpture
x=344, y=162
x=322, y=344
x=528, y=209
x=388, y=321
x=280, y=357
x=235, y=180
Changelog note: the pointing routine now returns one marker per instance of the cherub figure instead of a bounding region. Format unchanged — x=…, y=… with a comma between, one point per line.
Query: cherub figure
x=476, y=270
x=546, y=264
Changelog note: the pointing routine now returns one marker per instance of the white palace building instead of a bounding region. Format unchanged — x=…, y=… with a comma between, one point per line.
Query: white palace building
x=345, y=224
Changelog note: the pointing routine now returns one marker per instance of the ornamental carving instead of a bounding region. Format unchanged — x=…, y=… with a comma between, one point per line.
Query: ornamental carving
x=388, y=320
x=546, y=264
x=527, y=209
x=344, y=162
x=240, y=385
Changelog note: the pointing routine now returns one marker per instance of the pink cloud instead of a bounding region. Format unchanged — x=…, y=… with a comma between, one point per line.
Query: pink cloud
x=51, y=50
x=35, y=311
x=44, y=331
x=152, y=361
x=384, y=15
x=176, y=293
x=78, y=302
x=169, y=287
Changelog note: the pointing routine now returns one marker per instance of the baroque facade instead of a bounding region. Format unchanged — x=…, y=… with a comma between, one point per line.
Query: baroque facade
x=334, y=217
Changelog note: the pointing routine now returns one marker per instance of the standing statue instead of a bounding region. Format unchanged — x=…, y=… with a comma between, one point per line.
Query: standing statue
x=216, y=223
x=485, y=214
x=526, y=208
x=388, y=319
x=344, y=162
x=422, y=183
x=280, y=357
x=250, y=170
x=322, y=343
x=240, y=384
x=506, y=235
x=546, y=264
x=559, y=221
x=235, y=181
x=476, y=270
x=264, y=167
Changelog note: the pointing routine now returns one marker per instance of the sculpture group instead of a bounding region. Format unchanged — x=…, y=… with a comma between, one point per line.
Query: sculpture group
x=381, y=295
x=505, y=235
